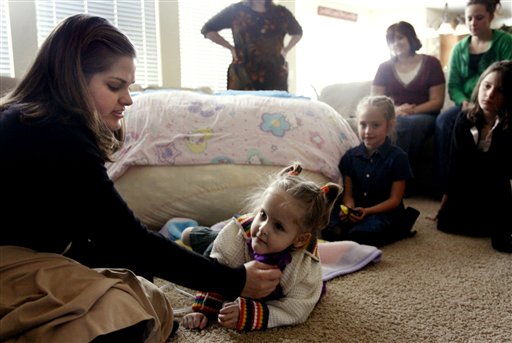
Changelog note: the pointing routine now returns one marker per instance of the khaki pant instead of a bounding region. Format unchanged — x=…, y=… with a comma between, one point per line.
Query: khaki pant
x=47, y=297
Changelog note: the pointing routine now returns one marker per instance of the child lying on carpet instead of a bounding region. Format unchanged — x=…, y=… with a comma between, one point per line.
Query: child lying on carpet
x=281, y=230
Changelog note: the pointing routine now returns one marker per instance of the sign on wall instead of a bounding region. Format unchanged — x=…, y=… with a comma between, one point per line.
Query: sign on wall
x=335, y=13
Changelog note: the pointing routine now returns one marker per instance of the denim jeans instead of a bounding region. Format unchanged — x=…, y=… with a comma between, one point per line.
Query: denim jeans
x=444, y=130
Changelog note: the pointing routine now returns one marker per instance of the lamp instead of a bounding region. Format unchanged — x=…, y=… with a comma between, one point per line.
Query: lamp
x=461, y=29
x=445, y=28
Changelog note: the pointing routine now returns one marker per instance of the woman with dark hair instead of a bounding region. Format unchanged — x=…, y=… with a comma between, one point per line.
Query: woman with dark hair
x=61, y=215
x=478, y=198
x=416, y=84
x=259, y=54
x=469, y=58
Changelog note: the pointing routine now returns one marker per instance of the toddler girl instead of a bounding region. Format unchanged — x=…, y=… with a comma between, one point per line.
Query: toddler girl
x=280, y=229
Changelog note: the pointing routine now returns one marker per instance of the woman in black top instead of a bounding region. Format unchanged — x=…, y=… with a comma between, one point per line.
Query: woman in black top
x=57, y=129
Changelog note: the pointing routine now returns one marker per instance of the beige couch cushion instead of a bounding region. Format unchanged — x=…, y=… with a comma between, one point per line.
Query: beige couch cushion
x=206, y=193
x=344, y=97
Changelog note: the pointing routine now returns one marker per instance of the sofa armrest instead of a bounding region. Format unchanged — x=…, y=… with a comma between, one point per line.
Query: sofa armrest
x=344, y=97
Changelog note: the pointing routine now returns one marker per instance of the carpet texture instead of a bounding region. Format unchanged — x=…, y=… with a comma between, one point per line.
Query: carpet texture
x=434, y=287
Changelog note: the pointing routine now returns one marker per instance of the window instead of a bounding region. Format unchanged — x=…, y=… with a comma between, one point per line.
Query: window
x=6, y=65
x=203, y=63
x=138, y=19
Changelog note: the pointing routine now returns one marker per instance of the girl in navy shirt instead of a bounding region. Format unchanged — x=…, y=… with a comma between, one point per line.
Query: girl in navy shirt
x=371, y=209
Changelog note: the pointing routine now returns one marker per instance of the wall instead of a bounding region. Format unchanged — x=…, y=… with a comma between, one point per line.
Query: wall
x=331, y=51
x=336, y=50
x=24, y=35
x=169, y=36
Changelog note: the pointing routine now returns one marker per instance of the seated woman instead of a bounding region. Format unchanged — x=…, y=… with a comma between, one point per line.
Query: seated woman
x=416, y=84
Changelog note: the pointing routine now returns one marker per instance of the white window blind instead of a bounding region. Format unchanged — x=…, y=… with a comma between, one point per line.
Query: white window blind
x=137, y=19
x=6, y=65
x=203, y=63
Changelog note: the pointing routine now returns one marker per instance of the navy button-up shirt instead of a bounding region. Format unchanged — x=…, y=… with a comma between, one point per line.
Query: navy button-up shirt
x=372, y=176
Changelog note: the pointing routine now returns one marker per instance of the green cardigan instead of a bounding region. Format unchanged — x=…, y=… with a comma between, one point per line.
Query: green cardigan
x=461, y=80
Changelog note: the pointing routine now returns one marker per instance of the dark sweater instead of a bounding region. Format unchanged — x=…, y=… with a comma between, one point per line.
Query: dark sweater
x=55, y=189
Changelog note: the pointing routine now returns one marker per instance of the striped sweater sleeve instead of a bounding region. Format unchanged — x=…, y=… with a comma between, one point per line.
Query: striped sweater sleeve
x=208, y=303
x=253, y=315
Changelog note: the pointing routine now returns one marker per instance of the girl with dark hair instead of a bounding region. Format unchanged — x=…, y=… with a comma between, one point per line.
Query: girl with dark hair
x=61, y=215
x=469, y=58
x=259, y=54
x=478, y=198
x=416, y=84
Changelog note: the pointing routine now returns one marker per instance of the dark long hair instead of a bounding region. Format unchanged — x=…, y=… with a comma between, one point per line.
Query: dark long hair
x=56, y=84
x=504, y=68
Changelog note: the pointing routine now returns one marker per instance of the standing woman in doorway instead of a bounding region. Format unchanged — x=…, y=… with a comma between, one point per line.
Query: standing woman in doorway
x=259, y=54
x=469, y=58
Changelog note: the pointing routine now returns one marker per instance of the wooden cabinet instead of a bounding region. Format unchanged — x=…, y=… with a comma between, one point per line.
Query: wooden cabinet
x=446, y=44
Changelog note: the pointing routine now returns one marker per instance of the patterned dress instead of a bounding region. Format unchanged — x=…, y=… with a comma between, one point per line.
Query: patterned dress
x=259, y=40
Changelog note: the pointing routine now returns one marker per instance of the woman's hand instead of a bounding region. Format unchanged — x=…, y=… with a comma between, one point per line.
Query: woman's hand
x=261, y=279
x=404, y=109
x=194, y=320
x=233, y=54
x=465, y=105
x=284, y=53
x=433, y=217
x=229, y=314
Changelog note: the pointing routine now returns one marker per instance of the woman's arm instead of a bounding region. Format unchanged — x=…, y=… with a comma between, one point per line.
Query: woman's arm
x=435, y=101
x=455, y=79
x=293, y=41
x=218, y=39
x=394, y=200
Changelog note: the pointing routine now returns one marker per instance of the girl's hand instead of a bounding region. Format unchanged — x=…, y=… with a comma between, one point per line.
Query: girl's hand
x=228, y=315
x=344, y=213
x=357, y=214
x=433, y=217
x=194, y=320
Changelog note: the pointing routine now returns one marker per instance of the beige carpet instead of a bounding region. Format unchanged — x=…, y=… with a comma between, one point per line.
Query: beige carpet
x=434, y=287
